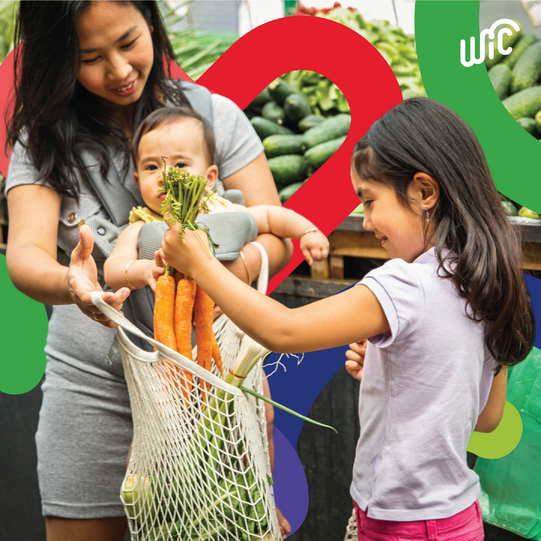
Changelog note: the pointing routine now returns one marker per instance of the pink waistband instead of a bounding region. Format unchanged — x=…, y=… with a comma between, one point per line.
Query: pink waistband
x=416, y=526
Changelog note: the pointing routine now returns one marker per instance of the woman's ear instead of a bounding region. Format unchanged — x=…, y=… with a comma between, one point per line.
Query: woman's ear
x=425, y=189
x=211, y=177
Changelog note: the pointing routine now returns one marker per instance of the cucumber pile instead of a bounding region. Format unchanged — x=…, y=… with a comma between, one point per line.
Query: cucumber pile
x=297, y=141
x=517, y=79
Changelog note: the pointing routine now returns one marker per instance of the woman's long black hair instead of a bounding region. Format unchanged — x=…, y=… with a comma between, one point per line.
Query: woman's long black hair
x=58, y=116
x=484, y=259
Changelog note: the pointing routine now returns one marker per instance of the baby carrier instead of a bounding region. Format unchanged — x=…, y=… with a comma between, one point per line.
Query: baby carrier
x=229, y=231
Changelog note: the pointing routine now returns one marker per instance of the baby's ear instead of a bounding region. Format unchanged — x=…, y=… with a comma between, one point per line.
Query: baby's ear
x=136, y=178
x=211, y=177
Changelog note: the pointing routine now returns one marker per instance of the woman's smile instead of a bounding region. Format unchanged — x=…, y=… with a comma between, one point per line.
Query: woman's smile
x=117, y=53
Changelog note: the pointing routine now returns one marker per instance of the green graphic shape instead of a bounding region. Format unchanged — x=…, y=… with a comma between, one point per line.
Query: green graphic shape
x=513, y=155
x=23, y=331
x=503, y=440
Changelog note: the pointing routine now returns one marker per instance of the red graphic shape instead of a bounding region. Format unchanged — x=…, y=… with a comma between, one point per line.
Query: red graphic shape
x=256, y=59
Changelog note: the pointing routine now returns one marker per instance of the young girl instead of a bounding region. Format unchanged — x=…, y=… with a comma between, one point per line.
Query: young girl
x=448, y=309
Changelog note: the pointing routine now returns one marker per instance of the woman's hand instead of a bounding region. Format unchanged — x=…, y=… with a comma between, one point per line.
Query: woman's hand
x=82, y=280
x=355, y=355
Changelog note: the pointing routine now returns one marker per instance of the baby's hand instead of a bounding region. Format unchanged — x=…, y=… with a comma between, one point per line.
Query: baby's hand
x=154, y=271
x=314, y=246
x=355, y=355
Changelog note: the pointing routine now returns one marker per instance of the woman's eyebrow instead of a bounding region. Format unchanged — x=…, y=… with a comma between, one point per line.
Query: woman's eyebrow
x=122, y=37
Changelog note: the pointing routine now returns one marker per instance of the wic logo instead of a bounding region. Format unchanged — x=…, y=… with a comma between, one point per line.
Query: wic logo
x=490, y=32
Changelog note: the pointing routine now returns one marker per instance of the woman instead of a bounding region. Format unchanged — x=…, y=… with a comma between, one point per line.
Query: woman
x=90, y=71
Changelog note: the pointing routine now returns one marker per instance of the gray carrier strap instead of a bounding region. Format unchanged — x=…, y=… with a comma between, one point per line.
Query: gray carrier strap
x=230, y=231
x=200, y=99
x=116, y=199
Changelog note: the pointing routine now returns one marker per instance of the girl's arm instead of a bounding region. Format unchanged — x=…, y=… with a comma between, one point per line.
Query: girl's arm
x=342, y=319
x=32, y=251
x=141, y=272
x=492, y=413
x=258, y=187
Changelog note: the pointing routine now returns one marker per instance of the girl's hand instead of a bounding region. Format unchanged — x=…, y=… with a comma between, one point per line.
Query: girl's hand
x=314, y=246
x=82, y=280
x=185, y=255
x=355, y=355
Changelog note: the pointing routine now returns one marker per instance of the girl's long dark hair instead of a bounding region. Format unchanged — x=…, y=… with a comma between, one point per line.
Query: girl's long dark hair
x=484, y=259
x=58, y=116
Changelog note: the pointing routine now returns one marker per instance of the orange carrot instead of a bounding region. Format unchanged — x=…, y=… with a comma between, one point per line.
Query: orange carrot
x=216, y=355
x=184, y=302
x=163, y=315
x=203, y=315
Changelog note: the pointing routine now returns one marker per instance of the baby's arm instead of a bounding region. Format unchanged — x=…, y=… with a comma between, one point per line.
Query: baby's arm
x=490, y=417
x=286, y=223
x=141, y=272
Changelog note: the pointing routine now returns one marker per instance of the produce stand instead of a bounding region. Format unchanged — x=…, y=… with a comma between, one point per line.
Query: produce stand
x=351, y=240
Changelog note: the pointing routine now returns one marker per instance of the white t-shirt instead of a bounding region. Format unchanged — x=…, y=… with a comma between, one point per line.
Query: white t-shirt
x=424, y=385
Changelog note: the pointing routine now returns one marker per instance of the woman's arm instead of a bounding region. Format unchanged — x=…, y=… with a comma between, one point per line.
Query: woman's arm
x=342, y=319
x=257, y=185
x=492, y=413
x=31, y=254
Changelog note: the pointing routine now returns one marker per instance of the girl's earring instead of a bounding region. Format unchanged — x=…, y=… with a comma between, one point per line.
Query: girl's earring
x=427, y=215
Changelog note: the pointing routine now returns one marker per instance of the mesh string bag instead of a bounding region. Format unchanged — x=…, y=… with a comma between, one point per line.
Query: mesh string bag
x=199, y=469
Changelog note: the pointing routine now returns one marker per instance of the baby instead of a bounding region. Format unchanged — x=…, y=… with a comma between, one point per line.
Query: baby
x=181, y=138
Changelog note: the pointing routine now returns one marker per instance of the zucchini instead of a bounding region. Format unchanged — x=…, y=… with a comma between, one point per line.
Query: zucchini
x=523, y=43
x=524, y=103
x=288, y=191
x=262, y=98
x=537, y=119
x=288, y=169
x=278, y=145
x=500, y=76
x=265, y=127
x=529, y=124
x=319, y=154
x=280, y=90
x=331, y=128
x=309, y=122
x=507, y=41
x=272, y=111
x=296, y=107
x=527, y=69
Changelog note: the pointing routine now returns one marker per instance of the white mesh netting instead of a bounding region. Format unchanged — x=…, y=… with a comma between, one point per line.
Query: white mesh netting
x=199, y=469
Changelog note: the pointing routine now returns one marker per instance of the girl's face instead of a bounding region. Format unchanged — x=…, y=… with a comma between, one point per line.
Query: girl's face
x=117, y=52
x=181, y=144
x=400, y=229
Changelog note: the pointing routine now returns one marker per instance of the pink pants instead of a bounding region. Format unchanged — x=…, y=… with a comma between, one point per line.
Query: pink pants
x=464, y=526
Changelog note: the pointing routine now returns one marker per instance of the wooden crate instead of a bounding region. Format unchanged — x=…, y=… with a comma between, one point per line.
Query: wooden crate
x=350, y=239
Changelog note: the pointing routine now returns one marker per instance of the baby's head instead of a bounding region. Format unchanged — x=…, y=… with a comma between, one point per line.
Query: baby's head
x=182, y=138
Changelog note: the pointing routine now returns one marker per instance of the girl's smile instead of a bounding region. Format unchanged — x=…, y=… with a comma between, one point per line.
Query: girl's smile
x=399, y=227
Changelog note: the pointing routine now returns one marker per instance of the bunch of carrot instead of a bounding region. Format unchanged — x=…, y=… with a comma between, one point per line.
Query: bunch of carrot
x=178, y=298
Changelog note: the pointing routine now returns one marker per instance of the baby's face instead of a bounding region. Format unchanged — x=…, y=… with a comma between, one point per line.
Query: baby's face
x=182, y=145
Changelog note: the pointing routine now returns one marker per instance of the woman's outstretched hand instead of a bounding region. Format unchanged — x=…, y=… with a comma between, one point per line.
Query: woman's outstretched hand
x=82, y=280
x=355, y=359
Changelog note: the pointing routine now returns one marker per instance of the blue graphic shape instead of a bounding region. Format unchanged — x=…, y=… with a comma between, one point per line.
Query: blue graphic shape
x=290, y=486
